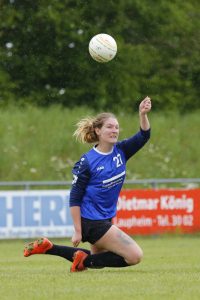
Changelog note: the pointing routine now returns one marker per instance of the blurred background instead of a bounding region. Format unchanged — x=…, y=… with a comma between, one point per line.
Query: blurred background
x=48, y=81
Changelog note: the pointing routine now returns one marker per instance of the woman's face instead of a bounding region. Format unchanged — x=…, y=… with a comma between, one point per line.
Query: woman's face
x=109, y=132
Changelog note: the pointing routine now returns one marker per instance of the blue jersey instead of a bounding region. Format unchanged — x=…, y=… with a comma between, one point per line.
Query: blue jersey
x=98, y=177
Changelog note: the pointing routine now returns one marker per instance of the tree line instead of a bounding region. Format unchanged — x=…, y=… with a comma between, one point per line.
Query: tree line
x=44, y=56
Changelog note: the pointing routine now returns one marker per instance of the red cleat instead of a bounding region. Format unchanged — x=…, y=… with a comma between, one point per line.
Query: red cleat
x=38, y=247
x=78, y=259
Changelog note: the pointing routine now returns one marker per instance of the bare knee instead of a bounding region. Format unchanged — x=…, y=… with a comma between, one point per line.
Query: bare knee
x=135, y=258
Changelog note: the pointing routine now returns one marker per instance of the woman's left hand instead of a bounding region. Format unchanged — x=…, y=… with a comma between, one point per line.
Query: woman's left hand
x=145, y=106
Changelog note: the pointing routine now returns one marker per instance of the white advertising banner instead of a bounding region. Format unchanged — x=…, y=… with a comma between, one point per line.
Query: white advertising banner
x=29, y=214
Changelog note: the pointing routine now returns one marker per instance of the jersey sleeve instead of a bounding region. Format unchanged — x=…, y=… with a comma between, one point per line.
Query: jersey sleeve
x=81, y=176
x=132, y=145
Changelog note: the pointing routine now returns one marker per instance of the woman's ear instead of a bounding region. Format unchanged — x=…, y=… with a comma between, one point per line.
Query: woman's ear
x=97, y=131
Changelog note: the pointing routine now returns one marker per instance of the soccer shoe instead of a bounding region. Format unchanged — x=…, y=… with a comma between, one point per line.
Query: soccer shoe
x=78, y=259
x=40, y=246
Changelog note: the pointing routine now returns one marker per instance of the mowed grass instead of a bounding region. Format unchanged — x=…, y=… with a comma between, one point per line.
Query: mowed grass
x=170, y=270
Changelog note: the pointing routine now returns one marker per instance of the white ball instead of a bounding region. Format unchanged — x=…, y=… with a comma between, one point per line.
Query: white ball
x=102, y=47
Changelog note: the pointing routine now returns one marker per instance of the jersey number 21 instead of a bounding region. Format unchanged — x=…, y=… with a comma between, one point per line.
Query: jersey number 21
x=118, y=160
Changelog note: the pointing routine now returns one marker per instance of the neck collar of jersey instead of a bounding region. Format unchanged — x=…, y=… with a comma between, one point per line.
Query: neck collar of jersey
x=103, y=153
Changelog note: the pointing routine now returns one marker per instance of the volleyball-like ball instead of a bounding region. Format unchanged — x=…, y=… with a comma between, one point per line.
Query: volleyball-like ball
x=102, y=47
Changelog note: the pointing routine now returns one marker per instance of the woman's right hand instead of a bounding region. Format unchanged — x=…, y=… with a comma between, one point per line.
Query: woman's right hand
x=76, y=238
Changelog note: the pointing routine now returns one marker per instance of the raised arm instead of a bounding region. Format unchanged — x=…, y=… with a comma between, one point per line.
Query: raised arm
x=144, y=108
x=131, y=145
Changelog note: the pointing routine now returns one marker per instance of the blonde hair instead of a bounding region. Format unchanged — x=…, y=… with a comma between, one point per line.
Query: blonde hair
x=85, y=131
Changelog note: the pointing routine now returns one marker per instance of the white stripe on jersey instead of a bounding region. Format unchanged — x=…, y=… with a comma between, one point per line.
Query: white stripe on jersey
x=114, y=177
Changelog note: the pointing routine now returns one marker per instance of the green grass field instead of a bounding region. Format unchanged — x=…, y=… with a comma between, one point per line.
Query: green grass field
x=170, y=270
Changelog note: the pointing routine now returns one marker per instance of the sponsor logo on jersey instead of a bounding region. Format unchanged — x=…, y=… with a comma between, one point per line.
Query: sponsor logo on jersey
x=100, y=168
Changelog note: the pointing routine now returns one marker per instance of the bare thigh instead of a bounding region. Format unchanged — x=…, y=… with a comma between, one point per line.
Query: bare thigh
x=117, y=241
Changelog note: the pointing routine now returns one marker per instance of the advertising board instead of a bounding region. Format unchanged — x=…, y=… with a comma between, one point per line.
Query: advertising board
x=30, y=214
x=157, y=211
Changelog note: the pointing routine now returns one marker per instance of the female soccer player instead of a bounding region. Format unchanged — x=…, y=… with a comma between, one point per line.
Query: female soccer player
x=98, y=179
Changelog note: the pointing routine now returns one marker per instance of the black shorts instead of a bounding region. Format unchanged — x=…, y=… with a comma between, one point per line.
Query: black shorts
x=93, y=230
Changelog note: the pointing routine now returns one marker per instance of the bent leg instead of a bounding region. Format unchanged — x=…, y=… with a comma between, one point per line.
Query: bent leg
x=114, y=249
x=116, y=241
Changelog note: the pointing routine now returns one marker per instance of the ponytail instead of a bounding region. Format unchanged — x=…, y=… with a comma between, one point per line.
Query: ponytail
x=85, y=132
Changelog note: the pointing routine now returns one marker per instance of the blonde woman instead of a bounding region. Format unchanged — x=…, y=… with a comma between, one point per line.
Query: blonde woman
x=97, y=181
